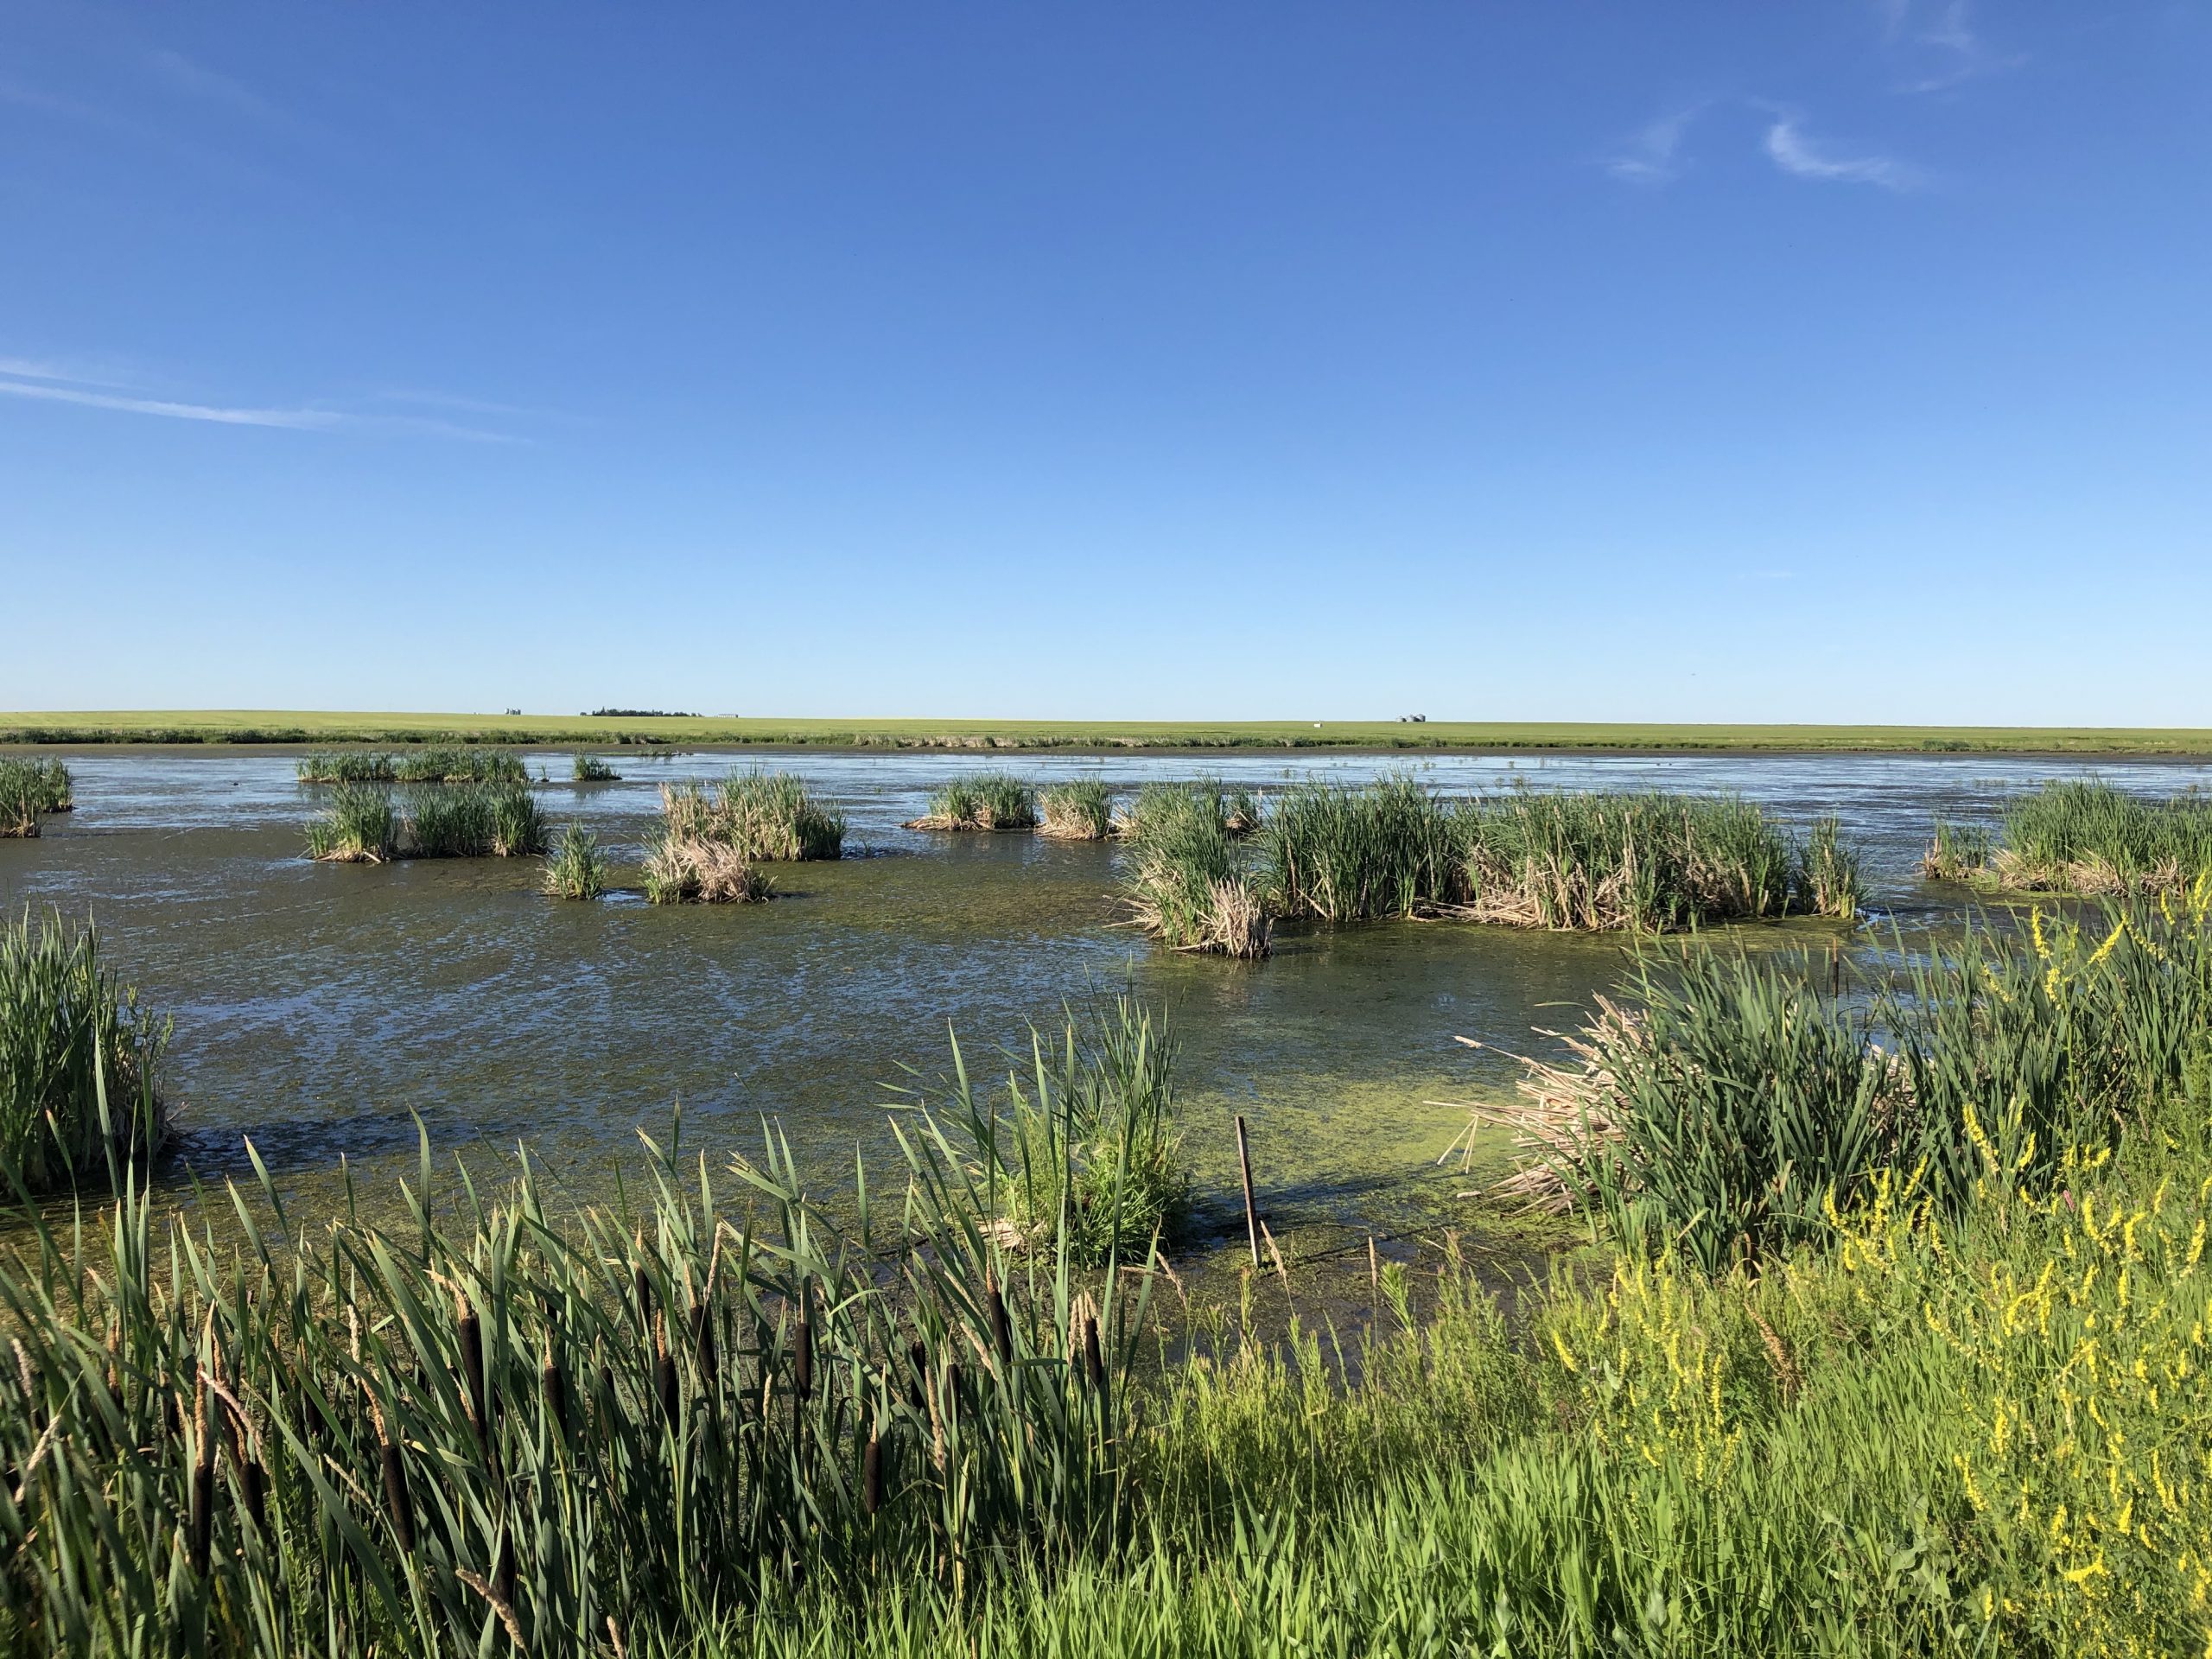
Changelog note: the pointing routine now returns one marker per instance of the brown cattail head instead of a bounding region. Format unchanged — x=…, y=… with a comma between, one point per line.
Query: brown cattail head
x=643, y=1285
x=473, y=1382
x=918, y=1384
x=664, y=1369
x=1001, y=1327
x=200, y=1536
x=702, y=1341
x=803, y=1349
x=503, y=1569
x=395, y=1496
x=872, y=1476
x=256, y=1481
x=554, y=1382
x=1094, y=1362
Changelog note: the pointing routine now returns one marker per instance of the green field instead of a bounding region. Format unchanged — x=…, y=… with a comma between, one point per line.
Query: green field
x=304, y=726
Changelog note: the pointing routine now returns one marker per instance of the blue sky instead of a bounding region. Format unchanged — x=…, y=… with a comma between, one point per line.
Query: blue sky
x=1826, y=361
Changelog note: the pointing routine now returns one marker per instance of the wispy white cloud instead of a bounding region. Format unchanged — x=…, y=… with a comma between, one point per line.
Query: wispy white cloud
x=1652, y=154
x=44, y=382
x=465, y=405
x=1941, y=43
x=305, y=419
x=1788, y=147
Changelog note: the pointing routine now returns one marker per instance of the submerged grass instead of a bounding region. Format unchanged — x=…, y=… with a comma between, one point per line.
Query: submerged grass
x=1964, y=1426
x=1082, y=810
x=576, y=868
x=990, y=800
x=30, y=789
x=2082, y=837
x=78, y=1058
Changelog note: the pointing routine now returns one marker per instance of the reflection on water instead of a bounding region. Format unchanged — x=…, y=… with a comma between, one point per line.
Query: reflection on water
x=319, y=1008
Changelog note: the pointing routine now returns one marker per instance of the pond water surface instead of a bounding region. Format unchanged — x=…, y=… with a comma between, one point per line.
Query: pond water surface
x=320, y=1009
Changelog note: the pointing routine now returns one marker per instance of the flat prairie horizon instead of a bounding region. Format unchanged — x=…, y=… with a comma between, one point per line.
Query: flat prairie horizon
x=263, y=727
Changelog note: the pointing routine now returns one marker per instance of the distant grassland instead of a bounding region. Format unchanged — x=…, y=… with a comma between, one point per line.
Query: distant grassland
x=267, y=726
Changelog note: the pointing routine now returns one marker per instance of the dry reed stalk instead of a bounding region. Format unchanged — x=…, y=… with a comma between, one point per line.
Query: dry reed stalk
x=1566, y=1110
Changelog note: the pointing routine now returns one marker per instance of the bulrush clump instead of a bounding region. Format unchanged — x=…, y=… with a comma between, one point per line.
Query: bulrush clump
x=1080, y=810
x=1186, y=880
x=71, y=1034
x=29, y=789
x=2082, y=837
x=687, y=870
x=576, y=867
x=358, y=826
x=432, y=763
x=990, y=800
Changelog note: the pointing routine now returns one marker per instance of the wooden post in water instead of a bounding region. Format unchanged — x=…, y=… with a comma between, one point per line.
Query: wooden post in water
x=1251, y=1214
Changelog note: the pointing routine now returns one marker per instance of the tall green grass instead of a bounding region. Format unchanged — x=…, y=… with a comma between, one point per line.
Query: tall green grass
x=994, y=800
x=1567, y=860
x=1740, y=1104
x=1236, y=810
x=576, y=868
x=768, y=816
x=1186, y=879
x=1081, y=809
x=1350, y=852
x=358, y=826
x=29, y=789
x=499, y=1429
x=474, y=821
x=432, y=764
x=1096, y=1168
x=2085, y=837
x=362, y=824
x=77, y=1059
x=684, y=1426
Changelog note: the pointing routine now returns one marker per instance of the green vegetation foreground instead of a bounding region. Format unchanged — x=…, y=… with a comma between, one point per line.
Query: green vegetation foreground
x=316, y=726
x=1939, y=1388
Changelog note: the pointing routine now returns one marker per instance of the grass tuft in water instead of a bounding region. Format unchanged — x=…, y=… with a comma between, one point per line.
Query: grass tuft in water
x=1736, y=1108
x=432, y=764
x=1187, y=881
x=1236, y=810
x=1092, y=1161
x=591, y=769
x=773, y=815
x=358, y=826
x=1082, y=810
x=2085, y=837
x=1351, y=853
x=576, y=868
x=30, y=789
x=991, y=800
x=78, y=1057
x=472, y=821
x=684, y=869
